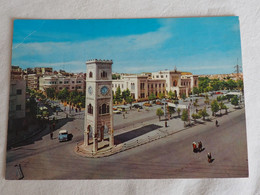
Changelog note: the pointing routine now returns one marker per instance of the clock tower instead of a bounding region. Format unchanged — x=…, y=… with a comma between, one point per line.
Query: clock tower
x=99, y=103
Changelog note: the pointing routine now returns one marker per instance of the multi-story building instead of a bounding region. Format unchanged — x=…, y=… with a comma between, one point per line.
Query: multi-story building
x=58, y=82
x=17, y=103
x=16, y=73
x=33, y=81
x=141, y=86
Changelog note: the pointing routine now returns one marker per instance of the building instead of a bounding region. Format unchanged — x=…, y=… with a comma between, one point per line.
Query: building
x=141, y=86
x=59, y=82
x=17, y=99
x=33, y=81
x=16, y=73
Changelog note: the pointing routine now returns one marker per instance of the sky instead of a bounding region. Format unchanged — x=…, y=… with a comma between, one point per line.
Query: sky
x=209, y=45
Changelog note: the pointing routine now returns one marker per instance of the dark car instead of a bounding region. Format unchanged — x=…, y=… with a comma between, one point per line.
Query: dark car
x=137, y=106
x=58, y=109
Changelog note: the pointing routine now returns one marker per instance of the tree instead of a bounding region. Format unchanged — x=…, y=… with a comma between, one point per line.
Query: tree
x=221, y=106
x=171, y=110
x=231, y=84
x=161, y=96
x=50, y=92
x=206, y=99
x=179, y=112
x=215, y=84
x=183, y=96
x=184, y=116
x=195, y=116
x=118, y=96
x=171, y=95
x=234, y=101
x=126, y=93
x=129, y=100
x=214, y=107
x=195, y=90
x=151, y=97
x=159, y=113
x=63, y=94
x=240, y=85
x=203, y=113
x=226, y=108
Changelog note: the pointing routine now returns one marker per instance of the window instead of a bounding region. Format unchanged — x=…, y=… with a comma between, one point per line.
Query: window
x=18, y=107
x=157, y=76
x=60, y=82
x=175, y=83
x=112, y=85
x=60, y=88
x=155, y=85
x=159, y=85
x=161, y=76
x=103, y=109
x=78, y=81
x=122, y=86
x=103, y=74
x=163, y=84
x=18, y=92
x=90, y=109
x=72, y=87
x=73, y=82
x=90, y=74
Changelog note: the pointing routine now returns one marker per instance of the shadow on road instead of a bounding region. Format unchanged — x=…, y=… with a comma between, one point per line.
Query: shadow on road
x=135, y=133
x=38, y=136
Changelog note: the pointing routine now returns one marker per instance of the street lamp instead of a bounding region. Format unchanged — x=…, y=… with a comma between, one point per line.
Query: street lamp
x=164, y=102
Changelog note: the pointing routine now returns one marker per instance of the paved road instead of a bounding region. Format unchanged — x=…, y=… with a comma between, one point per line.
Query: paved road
x=169, y=157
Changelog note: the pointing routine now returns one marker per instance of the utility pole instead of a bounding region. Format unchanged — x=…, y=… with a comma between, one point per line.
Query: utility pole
x=237, y=69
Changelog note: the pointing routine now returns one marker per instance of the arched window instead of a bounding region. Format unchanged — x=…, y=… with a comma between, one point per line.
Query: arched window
x=107, y=108
x=90, y=109
x=174, y=83
x=104, y=109
x=90, y=74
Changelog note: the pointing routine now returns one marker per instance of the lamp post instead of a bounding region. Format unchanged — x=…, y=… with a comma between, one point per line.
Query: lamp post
x=164, y=102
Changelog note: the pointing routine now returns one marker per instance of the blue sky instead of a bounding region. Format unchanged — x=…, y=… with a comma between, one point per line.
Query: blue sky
x=209, y=45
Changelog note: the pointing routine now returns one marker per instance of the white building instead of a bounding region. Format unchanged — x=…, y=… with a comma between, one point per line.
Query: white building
x=59, y=82
x=141, y=86
x=17, y=103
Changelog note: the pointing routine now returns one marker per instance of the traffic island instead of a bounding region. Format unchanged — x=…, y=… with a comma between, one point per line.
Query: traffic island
x=103, y=150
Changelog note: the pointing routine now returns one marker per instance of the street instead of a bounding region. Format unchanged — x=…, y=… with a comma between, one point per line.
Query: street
x=169, y=157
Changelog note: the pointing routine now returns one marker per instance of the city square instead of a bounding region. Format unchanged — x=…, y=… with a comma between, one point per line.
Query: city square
x=115, y=119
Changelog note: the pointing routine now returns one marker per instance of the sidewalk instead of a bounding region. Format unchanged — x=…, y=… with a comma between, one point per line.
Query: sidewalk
x=173, y=126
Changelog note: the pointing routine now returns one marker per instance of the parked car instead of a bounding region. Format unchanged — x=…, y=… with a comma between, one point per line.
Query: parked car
x=58, y=109
x=137, y=106
x=116, y=111
x=63, y=135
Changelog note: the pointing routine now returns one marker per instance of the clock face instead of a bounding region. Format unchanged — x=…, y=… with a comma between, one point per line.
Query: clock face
x=90, y=90
x=104, y=90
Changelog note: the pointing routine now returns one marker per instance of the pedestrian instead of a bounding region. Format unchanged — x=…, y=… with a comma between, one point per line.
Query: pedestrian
x=124, y=115
x=65, y=109
x=77, y=146
x=76, y=110
x=79, y=109
x=51, y=135
x=209, y=157
x=200, y=146
x=216, y=123
x=194, y=146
